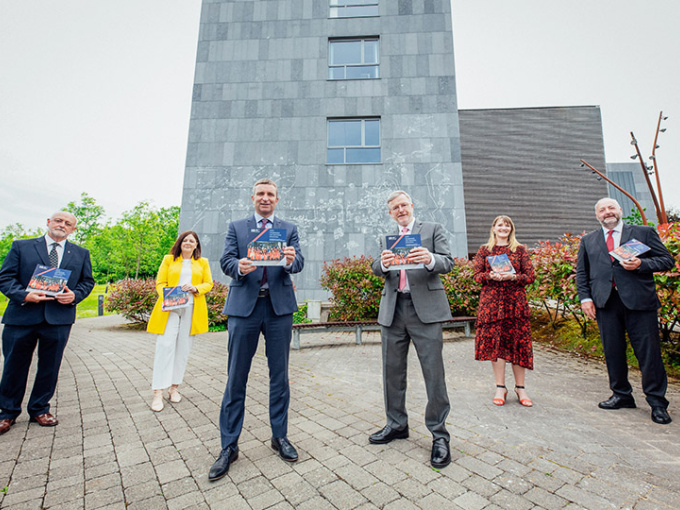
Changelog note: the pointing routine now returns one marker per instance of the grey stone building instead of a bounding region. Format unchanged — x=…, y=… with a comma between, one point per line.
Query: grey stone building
x=341, y=102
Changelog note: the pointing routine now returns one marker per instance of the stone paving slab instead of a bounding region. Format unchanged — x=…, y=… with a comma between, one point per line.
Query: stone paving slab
x=111, y=451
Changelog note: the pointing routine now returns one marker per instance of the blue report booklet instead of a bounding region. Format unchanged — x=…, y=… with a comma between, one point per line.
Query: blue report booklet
x=174, y=298
x=401, y=245
x=267, y=247
x=500, y=263
x=50, y=280
x=631, y=249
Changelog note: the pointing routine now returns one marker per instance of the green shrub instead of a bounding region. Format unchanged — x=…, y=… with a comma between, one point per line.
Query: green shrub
x=668, y=288
x=355, y=290
x=461, y=290
x=215, y=299
x=133, y=299
x=300, y=317
x=555, y=286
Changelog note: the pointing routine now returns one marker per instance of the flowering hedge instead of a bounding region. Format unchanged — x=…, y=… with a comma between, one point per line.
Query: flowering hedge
x=132, y=298
x=668, y=288
x=215, y=300
x=461, y=289
x=135, y=299
x=555, y=286
x=355, y=290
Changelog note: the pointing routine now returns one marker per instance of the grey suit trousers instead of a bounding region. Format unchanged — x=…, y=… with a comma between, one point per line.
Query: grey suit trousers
x=427, y=339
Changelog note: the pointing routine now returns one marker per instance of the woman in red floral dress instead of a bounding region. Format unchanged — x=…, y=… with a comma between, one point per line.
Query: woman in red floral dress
x=503, y=327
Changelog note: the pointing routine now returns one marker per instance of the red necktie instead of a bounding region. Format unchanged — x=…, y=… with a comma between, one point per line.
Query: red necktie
x=610, y=242
x=402, y=273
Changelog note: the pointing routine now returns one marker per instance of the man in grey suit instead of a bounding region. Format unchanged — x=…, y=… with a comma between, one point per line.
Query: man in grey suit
x=622, y=297
x=412, y=308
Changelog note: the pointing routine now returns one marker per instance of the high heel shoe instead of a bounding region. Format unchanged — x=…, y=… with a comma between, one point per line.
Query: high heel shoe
x=526, y=402
x=500, y=401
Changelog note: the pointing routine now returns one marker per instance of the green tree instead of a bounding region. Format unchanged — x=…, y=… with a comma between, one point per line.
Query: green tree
x=150, y=234
x=13, y=232
x=134, y=246
x=89, y=215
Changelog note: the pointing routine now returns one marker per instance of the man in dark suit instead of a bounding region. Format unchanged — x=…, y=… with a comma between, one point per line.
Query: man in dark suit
x=36, y=319
x=412, y=307
x=622, y=297
x=260, y=300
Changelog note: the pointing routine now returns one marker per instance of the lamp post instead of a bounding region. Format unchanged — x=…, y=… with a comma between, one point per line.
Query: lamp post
x=645, y=172
x=663, y=218
x=657, y=196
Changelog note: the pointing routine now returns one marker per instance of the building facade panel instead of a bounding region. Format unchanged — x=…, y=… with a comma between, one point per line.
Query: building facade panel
x=261, y=105
x=525, y=163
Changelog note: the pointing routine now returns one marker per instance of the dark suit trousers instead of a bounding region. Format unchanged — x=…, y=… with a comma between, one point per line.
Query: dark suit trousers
x=614, y=320
x=427, y=339
x=244, y=334
x=18, y=345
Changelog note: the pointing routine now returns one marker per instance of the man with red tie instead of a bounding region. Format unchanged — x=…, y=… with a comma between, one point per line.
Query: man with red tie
x=622, y=297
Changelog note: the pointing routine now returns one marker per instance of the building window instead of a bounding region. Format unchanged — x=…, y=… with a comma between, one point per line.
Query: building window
x=353, y=8
x=353, y=141
x=353, y=59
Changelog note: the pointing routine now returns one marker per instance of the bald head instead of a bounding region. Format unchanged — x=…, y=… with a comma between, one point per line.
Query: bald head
x=61, y=225
x=608, y=212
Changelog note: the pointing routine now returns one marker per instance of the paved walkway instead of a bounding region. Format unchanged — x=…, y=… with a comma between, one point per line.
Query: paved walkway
x=111, y=451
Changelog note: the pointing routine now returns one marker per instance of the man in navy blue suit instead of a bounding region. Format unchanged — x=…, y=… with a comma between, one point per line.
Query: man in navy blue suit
x=622, y=297
x=36, y=319
x=260, y=300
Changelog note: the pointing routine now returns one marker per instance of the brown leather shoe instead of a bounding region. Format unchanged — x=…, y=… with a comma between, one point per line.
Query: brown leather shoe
x=45, y=420
x=5, y=425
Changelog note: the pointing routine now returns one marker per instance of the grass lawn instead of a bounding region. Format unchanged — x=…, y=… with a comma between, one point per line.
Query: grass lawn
x=86, y=308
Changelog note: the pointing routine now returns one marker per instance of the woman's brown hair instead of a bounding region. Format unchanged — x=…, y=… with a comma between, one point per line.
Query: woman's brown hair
x=176, y=250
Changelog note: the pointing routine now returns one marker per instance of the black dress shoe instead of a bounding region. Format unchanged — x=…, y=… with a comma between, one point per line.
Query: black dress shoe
x=616, y=402
x=387, y=434
x=286, y=450
x=441, y=455
x=221, y=465
x=660, y=415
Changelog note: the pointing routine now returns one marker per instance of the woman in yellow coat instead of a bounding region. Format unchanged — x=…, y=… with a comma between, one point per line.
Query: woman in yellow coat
x=183, y=267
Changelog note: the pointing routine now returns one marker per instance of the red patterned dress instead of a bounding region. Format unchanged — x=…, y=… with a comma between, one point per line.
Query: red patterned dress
x=503, y=327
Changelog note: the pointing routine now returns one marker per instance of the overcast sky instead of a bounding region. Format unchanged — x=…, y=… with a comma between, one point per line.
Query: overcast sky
x=95, y=96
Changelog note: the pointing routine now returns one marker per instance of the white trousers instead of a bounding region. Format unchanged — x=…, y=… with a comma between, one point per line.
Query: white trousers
x=172, y=349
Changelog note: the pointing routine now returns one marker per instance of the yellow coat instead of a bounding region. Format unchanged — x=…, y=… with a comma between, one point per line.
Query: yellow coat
x=168, y=276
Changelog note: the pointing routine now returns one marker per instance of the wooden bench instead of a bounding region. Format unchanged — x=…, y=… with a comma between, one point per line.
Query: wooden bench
x=360, y=326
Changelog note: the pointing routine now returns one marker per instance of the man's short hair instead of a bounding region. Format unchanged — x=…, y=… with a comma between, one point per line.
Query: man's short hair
x=266, y=181
x=608, y=199
x=395, y=194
